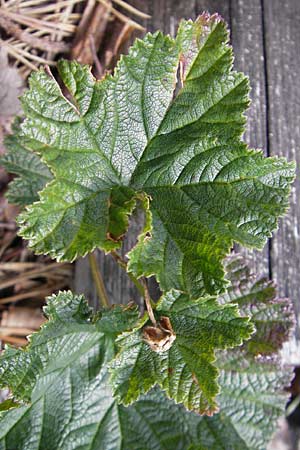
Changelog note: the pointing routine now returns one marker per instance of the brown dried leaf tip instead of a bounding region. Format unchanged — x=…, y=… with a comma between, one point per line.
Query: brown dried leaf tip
x=161, y=337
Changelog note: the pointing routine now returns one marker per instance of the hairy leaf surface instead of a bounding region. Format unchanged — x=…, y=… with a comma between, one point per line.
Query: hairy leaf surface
x=273, y=317
x=251, y=401
x=186, y=370
x=143, y=134
x=63, y=375
x=62, y=379
x=32, y=173
x=247, y=399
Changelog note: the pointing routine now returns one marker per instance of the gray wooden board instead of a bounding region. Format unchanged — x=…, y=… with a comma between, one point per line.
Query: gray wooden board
x=282, y=38
x=265, y=36
x=247, y=41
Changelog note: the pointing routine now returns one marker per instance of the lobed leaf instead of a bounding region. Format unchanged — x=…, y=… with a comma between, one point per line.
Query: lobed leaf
x=69, y=404
x=184, y=369
x=142, y=133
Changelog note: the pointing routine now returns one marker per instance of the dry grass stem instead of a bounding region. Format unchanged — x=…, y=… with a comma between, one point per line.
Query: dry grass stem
x=121, y=16
x=38, y=30
x=131, y=9
x=13, y=340
x=45, y=271
x=17, y=331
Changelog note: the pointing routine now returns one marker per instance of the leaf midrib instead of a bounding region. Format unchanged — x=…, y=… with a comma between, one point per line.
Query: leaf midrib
x=181, y=127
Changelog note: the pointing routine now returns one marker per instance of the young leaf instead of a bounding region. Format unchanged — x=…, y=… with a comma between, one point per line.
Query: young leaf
x=138, y=133
x=184, y=366
x=32, y=173
x=256, y=297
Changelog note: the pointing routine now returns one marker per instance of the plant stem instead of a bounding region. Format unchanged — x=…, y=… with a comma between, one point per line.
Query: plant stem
x=292, y=406
x=141, y=286
x=122, y=263
x=148, y=302
x=98, y=281
x=137, y=284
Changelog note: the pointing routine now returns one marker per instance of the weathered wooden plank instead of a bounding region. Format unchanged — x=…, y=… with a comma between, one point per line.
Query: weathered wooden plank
x=282, y=37
x=221, y=7
x=247, y=40
x=165, y=14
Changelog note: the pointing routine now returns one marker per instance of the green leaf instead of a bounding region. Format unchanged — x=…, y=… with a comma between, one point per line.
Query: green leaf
x=183, y=367
x=273, y=317
x=70, y=405
x=252, y=396
x=65, y=378
x=69, y=315
x=152, y=423
x=32, y=173
x=70, y=401
x=93, y=149
x=141, y=134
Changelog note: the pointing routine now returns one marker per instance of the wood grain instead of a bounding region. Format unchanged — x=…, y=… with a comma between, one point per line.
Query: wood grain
x=247, y=40
x=282, y=39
